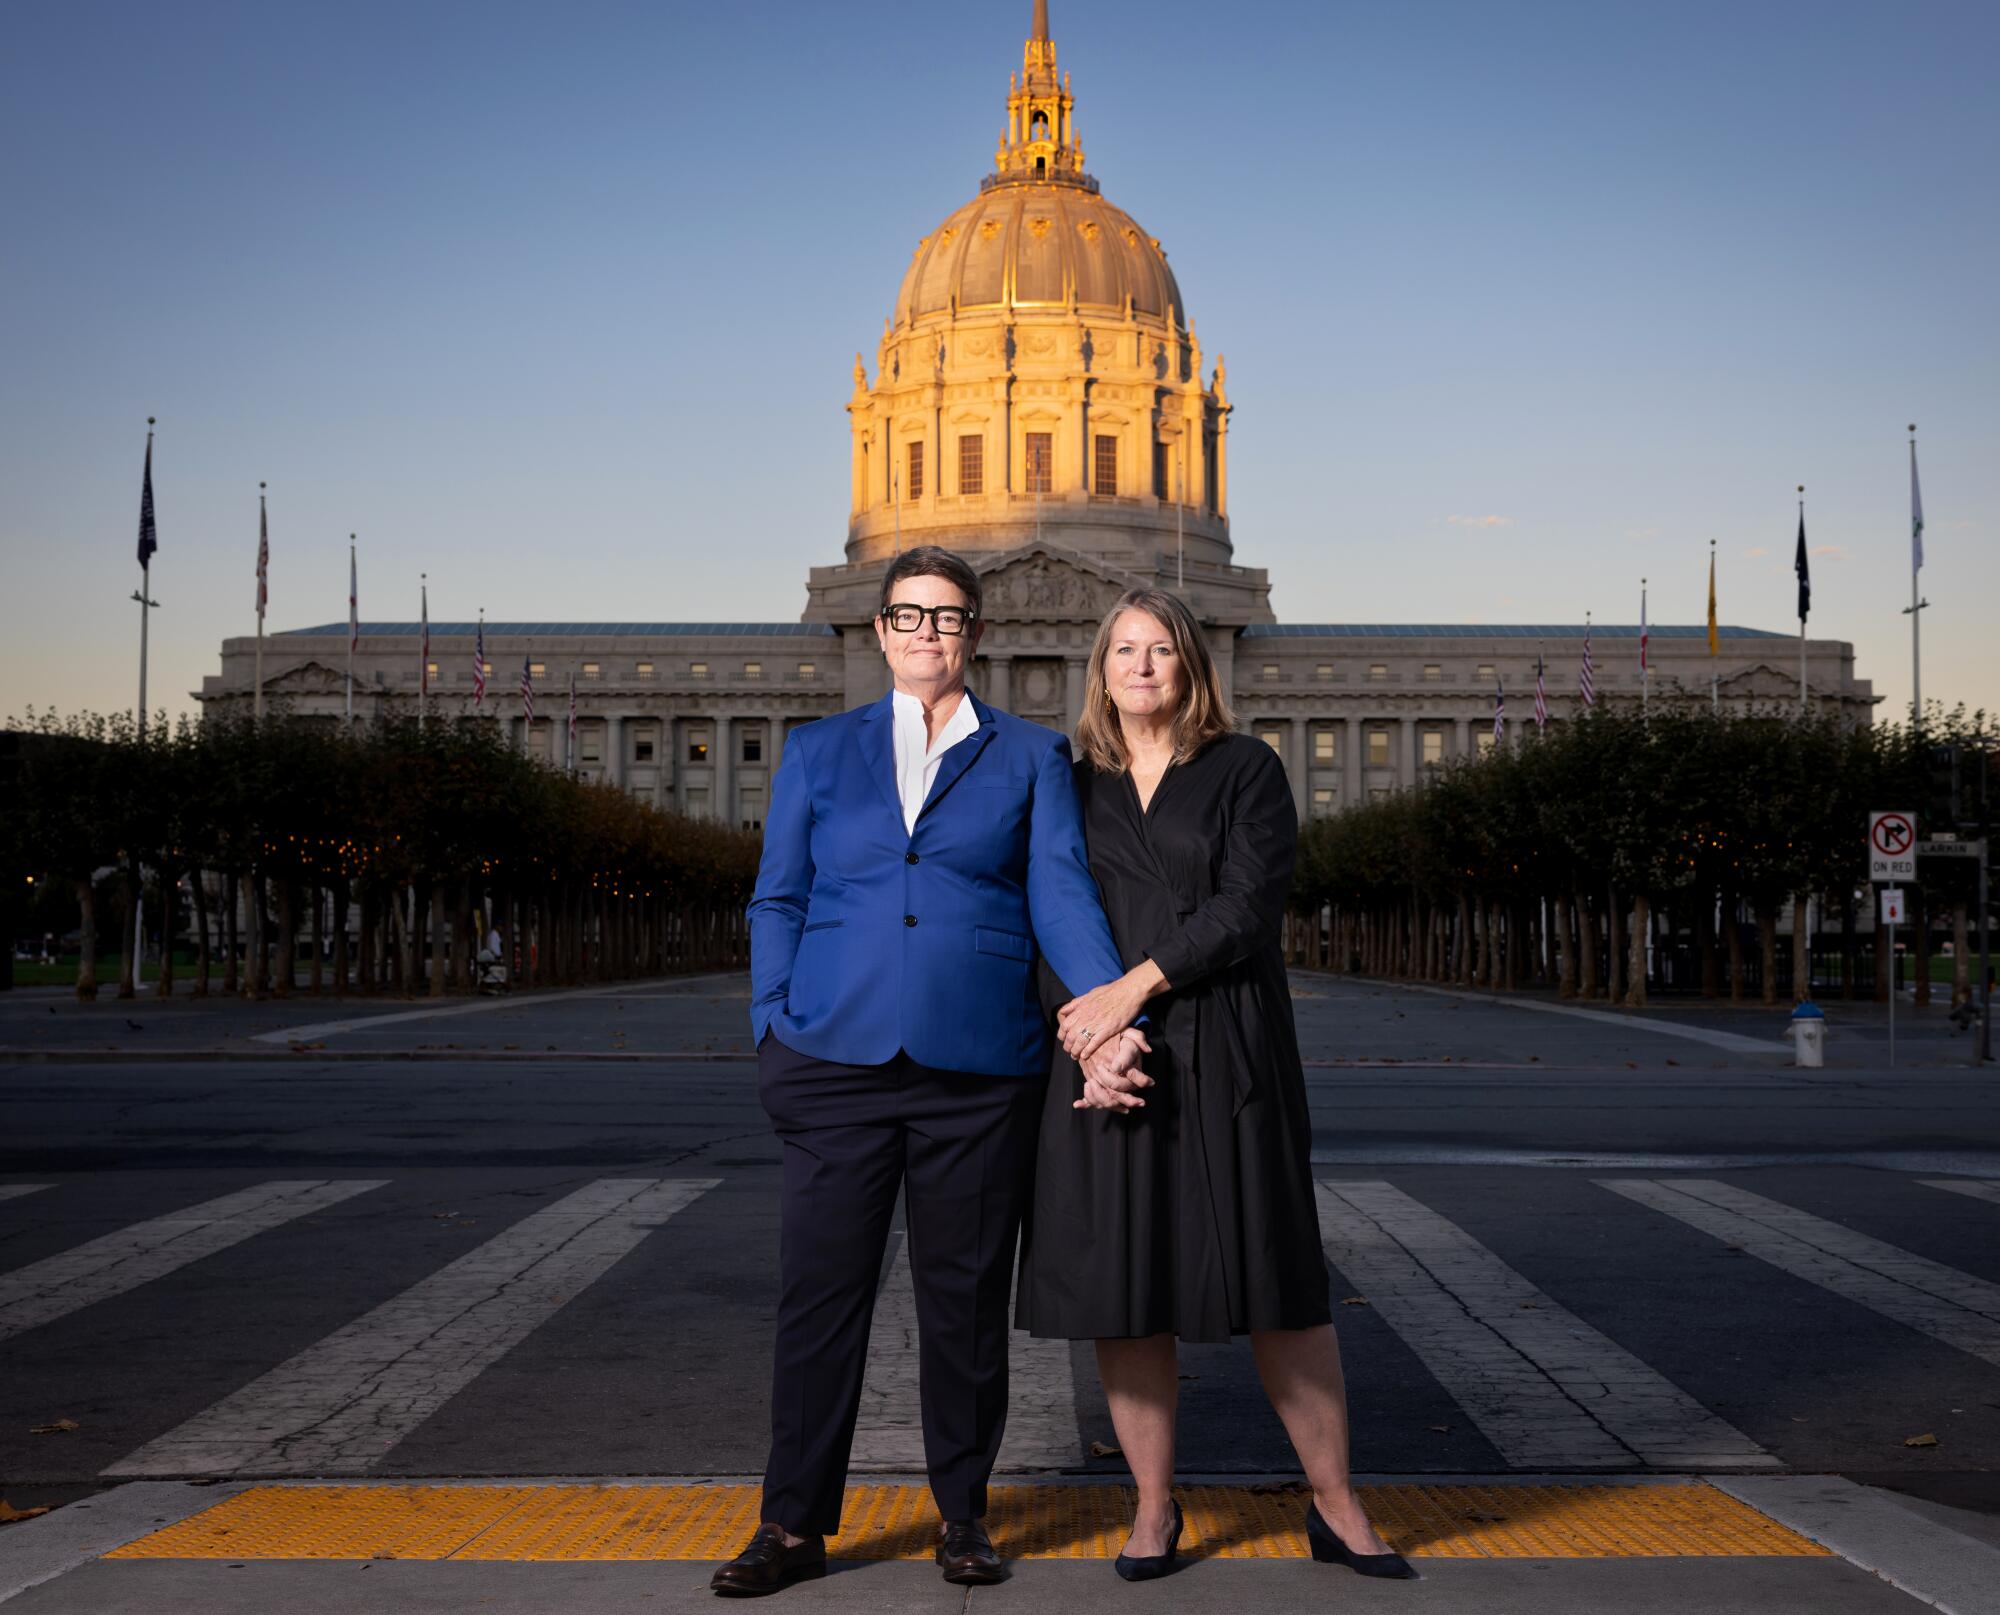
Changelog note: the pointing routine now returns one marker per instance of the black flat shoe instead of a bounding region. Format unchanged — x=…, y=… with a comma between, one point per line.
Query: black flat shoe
x=1328, y=1549
x=1152, y=1566
x=767, y=1564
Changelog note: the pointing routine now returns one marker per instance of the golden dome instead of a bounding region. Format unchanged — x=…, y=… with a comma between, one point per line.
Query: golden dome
x=1039, y=245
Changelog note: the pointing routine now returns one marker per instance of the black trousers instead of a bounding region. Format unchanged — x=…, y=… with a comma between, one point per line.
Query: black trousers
x=962, y=1150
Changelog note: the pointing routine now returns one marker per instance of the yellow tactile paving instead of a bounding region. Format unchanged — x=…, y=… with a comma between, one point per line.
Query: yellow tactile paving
x=645, y=1522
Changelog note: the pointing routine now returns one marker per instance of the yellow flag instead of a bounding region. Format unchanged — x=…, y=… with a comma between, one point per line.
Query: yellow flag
x=1713, y=643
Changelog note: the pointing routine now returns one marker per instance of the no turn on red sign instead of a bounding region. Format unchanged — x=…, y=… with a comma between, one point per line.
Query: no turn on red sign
x=1892, y=846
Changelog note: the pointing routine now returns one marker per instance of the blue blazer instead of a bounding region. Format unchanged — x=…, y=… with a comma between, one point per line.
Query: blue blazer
x=867, y=940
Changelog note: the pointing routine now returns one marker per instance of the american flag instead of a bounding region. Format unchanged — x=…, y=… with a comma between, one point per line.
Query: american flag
x=149, y=537
x=353, y=599
x=527, y=689
x=1541, y=697
x=479, y=665
x=424, y=650
x=1645, y=638
x=1499, y=709
x=263, y=558
x=1585, y=684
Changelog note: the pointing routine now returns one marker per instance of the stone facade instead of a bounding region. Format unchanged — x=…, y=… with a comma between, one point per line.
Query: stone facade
x=1039, y=405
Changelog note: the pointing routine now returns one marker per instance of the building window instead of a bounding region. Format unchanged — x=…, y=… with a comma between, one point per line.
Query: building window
x=592, y=672
x=1378, y=672
x=1272, y=737
x=642, y=749
x=1433, y=673
x=698, y=743
x=1484, y=742
x=1324, y=672
x=1041, y=454
x=1104, y=465
x=537, y=670
x=1378, y=748
x=1269, y=673
x=971, y=463
x=1433, y=743
x=698, y=671
x=591, y=744
x=697, y=801
x=644, y=672
x=1322, y=801
x=753, y=670
x=1378, y=793
x=753, y=745
x=751, y=808
x=1159, y=470
x=807, y=672
x=486, y=668
x=1323, y=746
x=1486, y=674
x=431, y=670
x=915, y=485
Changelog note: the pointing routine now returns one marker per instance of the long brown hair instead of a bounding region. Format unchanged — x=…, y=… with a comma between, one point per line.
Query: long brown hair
x=1203, y=716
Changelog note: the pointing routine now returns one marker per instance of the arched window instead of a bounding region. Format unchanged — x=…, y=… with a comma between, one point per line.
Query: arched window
x=1038, y=126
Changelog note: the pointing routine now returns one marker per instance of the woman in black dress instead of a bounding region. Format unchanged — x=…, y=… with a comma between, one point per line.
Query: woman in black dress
x=1174, y=1197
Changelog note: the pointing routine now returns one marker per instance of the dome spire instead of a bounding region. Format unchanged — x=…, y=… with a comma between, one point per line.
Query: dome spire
x=1040, y=143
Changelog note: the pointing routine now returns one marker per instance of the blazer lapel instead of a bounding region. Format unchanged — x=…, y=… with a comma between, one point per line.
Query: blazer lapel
x=876, y=736
x=956, y=761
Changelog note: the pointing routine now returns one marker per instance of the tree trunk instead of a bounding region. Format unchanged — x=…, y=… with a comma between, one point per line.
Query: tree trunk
x=1885, y=960
x=1921, y=913
x=1565, y=951
x=440, y=956
x=1704, y=941
x=198, y=890
x=1767, y=934
x=1733, y=936
x=409, y=931
x=170, y=886
x=1801, y=947
x=253, y=941
x=1961, y=959
x=1642, y=933
x=86, y=958
x=286, y=975
x=262, y=925
x=338, y=891
x=1586, y=948
x=316, y=971
x=1850, y=944
x=129, y=940
x=1614, y=985
x=364, y=938
x=232, y=974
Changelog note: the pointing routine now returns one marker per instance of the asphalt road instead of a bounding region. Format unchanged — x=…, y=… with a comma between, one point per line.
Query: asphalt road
x=1510, y=1168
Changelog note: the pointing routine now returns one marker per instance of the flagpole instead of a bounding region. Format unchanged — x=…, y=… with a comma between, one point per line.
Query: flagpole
x=896, y=496
x=1180, y=539
x=261, y=541
x=1645, y=661
x=1916, y=605
x=353, y=626
x=424, y=650
x=1714, y=674
x=1802, y=615
x=145, y=594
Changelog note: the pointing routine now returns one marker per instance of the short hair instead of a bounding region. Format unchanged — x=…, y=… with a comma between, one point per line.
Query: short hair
x=1203, y=716
x=932, y=561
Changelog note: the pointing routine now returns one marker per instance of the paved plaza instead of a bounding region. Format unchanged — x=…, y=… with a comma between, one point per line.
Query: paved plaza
x=373, y=1304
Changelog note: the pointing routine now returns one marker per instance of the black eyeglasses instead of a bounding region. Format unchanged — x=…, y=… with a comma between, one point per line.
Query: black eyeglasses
x=949, y=620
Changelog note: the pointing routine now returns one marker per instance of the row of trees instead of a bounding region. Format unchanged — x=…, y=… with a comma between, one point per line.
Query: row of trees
x=1597, y=852
x=404, y=840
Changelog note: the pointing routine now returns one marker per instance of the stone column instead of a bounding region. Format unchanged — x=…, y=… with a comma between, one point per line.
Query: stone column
x=1000, y=682
x=1406, y=764
x=1302, y=768
x=1074, y=669
x=1350, y=768
x=774, y=752
x=1461, y=737
x=724, y=763
x=614, y=750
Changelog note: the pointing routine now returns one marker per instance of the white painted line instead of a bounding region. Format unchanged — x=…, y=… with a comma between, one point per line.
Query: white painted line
x=1939, y=1301
x=46, y=1290
x=479, y=1006
x=14, y=1191
x=340, y=1405
x=39, y=1550
x=1873, y=1529
x=1543, y=1386
x=1978, y=1188
x=1042, y=1432
x=1735, y=1042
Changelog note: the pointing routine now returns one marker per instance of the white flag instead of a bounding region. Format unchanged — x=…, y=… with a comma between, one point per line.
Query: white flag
x=1916, y=514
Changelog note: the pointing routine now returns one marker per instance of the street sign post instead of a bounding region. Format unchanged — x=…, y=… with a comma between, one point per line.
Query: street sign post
x=1892, y=846
x=1892, y=916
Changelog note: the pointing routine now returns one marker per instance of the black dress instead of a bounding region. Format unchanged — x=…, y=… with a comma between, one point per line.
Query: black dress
x=1194, y=1216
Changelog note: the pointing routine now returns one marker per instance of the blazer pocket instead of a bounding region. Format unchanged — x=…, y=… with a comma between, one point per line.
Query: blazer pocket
x=823, y=925
x=1004, y=943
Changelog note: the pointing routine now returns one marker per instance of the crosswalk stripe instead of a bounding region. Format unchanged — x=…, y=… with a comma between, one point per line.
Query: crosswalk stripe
x=1042, y=1431
x=340, y=1405
x=1978, y=1188
x=46, y=1290
x=14, y=1191
x=1942, y=1302
x=1548, y=1390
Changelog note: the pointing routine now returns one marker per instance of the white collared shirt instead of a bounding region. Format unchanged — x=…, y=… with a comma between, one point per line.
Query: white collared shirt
x=917, y=756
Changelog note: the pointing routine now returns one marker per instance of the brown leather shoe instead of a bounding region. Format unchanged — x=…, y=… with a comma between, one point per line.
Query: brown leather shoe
x=965, y=1554
x=767, y=1564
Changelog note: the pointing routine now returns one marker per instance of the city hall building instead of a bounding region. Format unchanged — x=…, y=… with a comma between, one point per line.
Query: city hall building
x=1039, y=403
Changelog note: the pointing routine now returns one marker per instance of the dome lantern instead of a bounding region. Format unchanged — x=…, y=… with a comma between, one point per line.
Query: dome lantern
x=1040, y=143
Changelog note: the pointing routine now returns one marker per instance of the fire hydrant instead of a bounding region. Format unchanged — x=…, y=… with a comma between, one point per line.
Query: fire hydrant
x=1809, y=1035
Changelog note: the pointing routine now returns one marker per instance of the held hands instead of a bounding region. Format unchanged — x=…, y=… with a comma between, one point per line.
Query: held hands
x=1112, y=1079
x=1087, y=1024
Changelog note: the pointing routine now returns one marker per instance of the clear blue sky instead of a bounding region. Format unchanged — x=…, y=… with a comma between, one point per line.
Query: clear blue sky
x=1521, y=301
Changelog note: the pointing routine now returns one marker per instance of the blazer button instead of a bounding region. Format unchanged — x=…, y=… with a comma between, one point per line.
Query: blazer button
x=909, y=919
x=909, y=857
